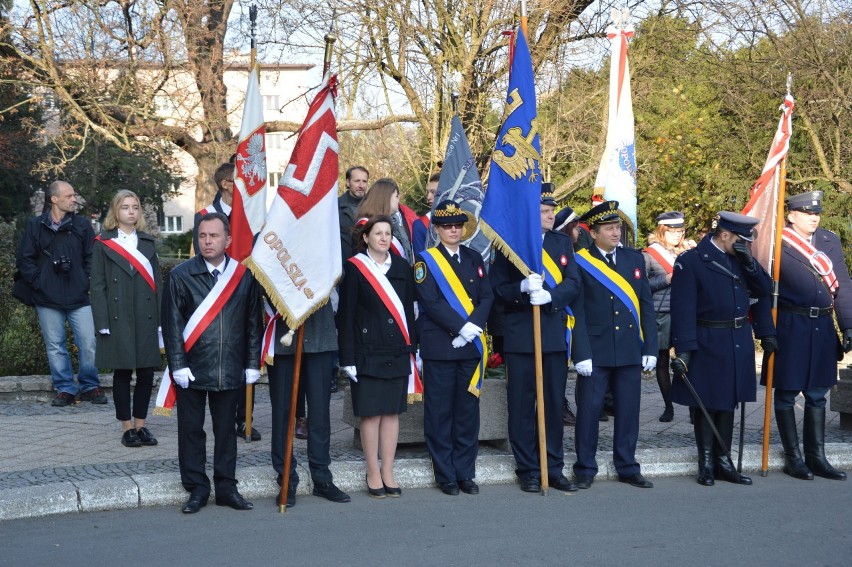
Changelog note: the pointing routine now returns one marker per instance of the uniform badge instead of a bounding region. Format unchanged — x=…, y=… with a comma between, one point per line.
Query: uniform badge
x=480, y=271
x=637, y=274
x=419, y=272
x=563, y=260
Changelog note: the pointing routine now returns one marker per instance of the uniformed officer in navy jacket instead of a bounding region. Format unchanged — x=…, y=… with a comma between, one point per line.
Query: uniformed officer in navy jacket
x=518, y=294
x=622, y=330
x=454, y=297
x=814, y=283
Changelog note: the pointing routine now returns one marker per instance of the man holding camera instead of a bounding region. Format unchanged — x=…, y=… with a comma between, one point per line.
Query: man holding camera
x=55, y=259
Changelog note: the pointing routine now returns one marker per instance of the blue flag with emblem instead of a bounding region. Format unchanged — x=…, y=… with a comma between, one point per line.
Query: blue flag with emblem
x=510, y=212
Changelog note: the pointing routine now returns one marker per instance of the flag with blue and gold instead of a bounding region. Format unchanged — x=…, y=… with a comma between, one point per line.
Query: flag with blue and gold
x=510, y=212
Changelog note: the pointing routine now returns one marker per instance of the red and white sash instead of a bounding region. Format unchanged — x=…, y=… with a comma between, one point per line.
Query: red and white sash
x=818, y=259
x=665, y=258
x=267, y=353
x=134, y=256
x=198, y=322
x=383, y=288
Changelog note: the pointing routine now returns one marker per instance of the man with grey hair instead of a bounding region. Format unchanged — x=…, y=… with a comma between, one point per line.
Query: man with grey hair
x=55, y=259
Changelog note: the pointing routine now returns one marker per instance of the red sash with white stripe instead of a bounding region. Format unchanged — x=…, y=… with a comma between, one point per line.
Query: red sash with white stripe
x=198, y=322
x=658, y=252
x=135, y=257
x=819, y=260
x=390, y=299
x=267, y=353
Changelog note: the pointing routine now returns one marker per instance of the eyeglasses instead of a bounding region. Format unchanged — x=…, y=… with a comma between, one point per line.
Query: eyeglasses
x=458, y=225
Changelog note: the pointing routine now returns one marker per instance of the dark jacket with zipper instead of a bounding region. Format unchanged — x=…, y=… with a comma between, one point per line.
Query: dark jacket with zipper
x=230, y=343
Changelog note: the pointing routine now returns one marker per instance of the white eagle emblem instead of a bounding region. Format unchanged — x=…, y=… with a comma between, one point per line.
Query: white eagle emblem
x=253, y=163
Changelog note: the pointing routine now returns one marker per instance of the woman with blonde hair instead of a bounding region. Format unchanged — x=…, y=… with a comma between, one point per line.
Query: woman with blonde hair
x=383, y=199
x=125, y=292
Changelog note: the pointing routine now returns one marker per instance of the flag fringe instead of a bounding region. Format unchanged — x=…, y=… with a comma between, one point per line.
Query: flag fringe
x=474, y=390
x=414, y=398
x=164, y=412
x=498, y=242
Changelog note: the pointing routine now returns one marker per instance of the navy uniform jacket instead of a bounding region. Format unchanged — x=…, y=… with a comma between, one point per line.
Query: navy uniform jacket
x=440, y=323
x=518, y=323
x=611, y=327
x=807, y=347
x=722, y=365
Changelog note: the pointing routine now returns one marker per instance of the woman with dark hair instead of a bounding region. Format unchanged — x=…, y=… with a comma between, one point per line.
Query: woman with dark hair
x=376, y=338
x=125, y=293
x=383, y=199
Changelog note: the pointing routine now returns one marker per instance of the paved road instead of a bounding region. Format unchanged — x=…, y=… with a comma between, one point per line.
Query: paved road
x=611, y=524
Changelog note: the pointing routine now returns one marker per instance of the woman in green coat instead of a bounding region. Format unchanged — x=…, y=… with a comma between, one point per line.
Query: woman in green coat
x=125, y=288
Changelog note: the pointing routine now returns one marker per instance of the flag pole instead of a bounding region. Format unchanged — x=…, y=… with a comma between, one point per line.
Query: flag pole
x=776, y=277
x=253, y=57
x=291, y=422
x=539, y=370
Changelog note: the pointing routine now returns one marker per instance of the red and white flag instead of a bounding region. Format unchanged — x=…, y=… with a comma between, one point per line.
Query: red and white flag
x=763, y=203
x=297, y=254
x=249, y=205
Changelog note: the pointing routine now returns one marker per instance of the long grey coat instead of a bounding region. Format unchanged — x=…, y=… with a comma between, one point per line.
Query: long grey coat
x=124, y=303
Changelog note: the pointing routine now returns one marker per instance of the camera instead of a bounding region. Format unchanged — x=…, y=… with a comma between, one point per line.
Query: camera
x=62, y=265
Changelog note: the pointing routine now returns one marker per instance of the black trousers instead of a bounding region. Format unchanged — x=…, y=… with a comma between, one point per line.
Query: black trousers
x=450, y=418
x=521, y=398
x=192, y=440
x=141, y=393
x=314, y=377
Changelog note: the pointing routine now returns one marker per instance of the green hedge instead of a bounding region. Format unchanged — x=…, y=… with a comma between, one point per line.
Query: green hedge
x=22, y=351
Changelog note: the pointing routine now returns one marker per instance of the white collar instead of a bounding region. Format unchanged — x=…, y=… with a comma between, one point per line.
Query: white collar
x=220, y=267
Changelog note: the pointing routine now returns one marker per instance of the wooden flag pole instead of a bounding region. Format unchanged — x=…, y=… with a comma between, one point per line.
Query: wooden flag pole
x=539, y=399
x=291, y=422
x=250, y=387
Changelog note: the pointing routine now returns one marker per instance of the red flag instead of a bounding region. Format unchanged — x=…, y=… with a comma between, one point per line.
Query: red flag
x=763, y=203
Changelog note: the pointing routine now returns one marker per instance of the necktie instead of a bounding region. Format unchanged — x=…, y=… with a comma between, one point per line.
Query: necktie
x=610, y=259
x=215, y=273
x=456, y=258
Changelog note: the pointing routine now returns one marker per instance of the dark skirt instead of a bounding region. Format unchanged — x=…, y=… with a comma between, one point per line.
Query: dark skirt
x=664, y=330
x=379, y=396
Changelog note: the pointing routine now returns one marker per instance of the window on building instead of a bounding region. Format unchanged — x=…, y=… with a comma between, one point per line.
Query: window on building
x=272, y=102
x=274, y=141
x=172, y=224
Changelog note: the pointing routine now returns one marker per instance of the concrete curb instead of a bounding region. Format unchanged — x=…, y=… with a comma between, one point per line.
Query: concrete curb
x=164, y=489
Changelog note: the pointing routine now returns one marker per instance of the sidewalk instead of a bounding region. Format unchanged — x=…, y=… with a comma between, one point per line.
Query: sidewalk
x=60, y=460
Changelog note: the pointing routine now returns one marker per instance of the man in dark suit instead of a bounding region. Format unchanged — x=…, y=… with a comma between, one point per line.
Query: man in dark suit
x=814, y=282
x=622, y=332
x=518, y=295
x=455, y=297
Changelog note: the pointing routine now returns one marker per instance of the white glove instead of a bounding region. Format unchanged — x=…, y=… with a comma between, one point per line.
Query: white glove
x=469, y=331
x=459, y=342
x=584, y=367
x=540, y=297
x=103, y=331
x=160, y=341
x=417, y=360
x=351, y=372
x=252, y=375
x=416, y=310
x=649, y=363
x=531, y=283
x=183, y=377
x=334, y=299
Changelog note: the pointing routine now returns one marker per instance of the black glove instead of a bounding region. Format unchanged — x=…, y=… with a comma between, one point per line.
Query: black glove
x=680, y=365
x=847, y=340
x=769, y=344
x=744, y=256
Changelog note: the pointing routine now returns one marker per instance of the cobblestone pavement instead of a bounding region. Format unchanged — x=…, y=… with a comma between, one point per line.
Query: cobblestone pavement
x=40, y=444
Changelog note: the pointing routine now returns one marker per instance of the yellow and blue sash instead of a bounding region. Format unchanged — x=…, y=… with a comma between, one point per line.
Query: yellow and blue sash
x=553, y=277
x=455, y=294
x=614, y=282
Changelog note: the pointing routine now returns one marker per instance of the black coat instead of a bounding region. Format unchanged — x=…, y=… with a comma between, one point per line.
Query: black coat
x=518, y=323
x=439, y=323
x=124, y=303
x=41, y=246
x=232, y=341
x=369, y=337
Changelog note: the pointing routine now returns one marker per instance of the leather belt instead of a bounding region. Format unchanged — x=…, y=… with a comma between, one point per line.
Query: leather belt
x=732, y=324
x=812, y=312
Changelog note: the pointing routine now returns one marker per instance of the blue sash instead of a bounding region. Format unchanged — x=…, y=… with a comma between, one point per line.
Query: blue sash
x=614, y=282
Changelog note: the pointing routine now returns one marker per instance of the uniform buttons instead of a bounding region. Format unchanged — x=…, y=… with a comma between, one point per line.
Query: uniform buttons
x=115, y=299
x=115, y=279
x=390, y=321
x=364, y=331
x=149, y=316
x=631, y=326
x=616, y=328
x=389, y=364
x=611, y=298
x=616, y=312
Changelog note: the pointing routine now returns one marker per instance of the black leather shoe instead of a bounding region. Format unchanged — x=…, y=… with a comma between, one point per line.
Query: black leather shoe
x=241, y=432
x=375, y=492
x=449, y=488
x=563, y=484
x=235, y=501
x=330, y=492
x=530, y=485
x=636, y=480
x=468, y=487
x=130, y=439
x=145, y=437
x=194, y=504
x=291, y=497
x=667, y=415
x=584, y=481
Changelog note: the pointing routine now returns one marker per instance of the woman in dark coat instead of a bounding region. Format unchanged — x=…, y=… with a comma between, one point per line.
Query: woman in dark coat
x=125, y=292
x=376, y=336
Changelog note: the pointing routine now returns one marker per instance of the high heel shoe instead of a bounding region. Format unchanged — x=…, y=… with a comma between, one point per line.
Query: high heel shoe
x=393, y=492
x=375, y=492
